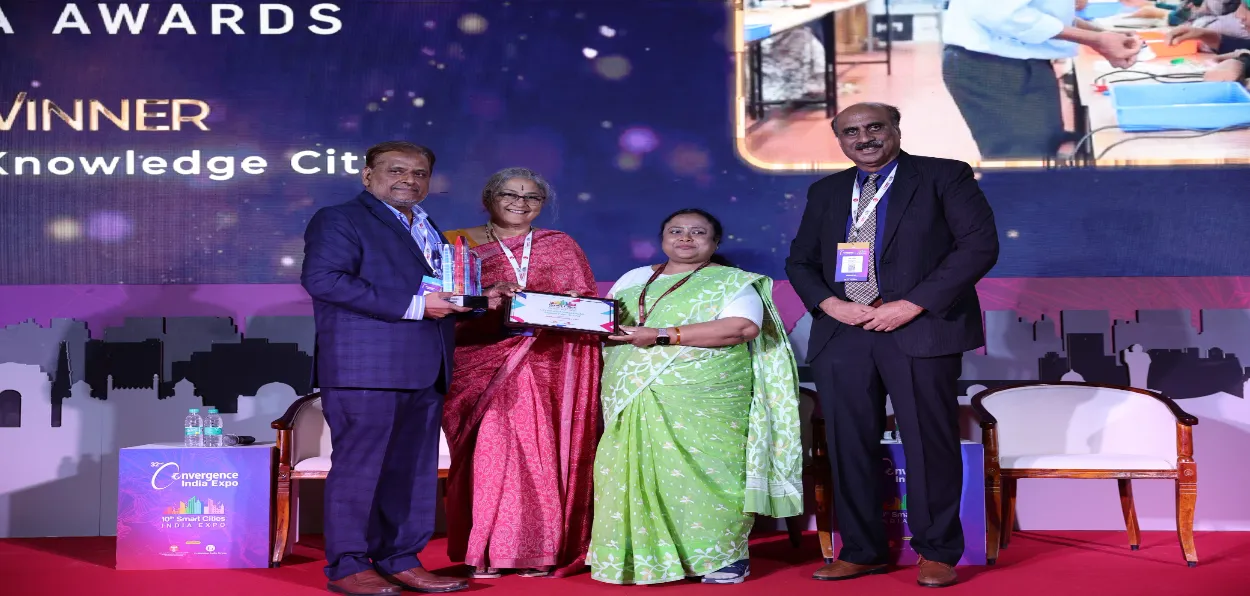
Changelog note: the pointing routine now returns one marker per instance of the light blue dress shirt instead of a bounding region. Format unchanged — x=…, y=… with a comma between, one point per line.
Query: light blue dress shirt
x=1020, y=29
x=416, y=309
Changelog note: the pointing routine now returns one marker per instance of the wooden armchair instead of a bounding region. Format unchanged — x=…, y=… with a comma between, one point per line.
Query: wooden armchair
x=304, y=454
x=821, y=474
x=1085, y=430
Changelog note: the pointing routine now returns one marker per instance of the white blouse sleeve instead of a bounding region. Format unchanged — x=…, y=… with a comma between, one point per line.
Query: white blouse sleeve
x=746, y=304
x=635, y=277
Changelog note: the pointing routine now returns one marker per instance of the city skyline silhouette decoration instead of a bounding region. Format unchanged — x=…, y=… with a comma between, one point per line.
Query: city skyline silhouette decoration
x=210, y=353
x=1178, y=361
x=159, y=353
x=1166, y=351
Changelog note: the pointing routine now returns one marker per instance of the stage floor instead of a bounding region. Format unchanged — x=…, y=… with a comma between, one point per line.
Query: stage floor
x=1064, y=563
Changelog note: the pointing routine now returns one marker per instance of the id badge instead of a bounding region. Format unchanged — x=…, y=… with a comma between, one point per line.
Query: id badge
x=854, y=259
x=430, y=285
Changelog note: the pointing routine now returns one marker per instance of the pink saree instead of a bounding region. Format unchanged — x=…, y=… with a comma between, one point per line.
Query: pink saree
x=522, y=421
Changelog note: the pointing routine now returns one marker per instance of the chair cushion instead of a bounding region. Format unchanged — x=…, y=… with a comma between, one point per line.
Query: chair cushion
x=314, y=464
x=322, y=463
x=1089, y=461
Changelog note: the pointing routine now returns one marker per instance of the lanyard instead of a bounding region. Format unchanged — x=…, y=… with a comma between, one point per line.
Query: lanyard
x=427, y=247
x=521, y=270
x=872, y=206
x=643, y=311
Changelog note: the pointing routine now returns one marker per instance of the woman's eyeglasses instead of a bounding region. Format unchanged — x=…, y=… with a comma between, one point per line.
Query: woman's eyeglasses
x=512, y=198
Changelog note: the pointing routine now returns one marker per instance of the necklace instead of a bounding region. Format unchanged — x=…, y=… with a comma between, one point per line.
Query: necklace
x=643, y=311
x=491, y=235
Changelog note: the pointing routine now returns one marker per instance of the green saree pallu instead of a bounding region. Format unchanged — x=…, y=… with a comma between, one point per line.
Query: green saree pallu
x=697, y=441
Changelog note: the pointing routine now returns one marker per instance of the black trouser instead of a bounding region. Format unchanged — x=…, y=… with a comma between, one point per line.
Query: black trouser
x=854, y=373
x=1011, y=106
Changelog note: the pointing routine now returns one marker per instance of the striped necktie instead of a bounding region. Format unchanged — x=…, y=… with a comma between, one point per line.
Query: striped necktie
x=865, y=292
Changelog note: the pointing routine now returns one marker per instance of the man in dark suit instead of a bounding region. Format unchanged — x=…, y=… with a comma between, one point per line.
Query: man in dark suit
x=898, y=328
x=384, y=358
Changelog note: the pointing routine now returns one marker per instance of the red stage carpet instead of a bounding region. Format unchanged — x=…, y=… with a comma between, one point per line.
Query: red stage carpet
x=1060, y=563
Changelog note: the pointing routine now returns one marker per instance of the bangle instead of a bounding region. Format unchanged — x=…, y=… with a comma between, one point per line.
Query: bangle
x=677, y=332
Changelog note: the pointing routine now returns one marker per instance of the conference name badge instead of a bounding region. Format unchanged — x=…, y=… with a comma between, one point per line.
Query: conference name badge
x=853, y=261
x=430, y=285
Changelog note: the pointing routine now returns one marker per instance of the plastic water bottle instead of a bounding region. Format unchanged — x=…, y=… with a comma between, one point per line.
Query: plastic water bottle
x=194, y=429
x=212, y=429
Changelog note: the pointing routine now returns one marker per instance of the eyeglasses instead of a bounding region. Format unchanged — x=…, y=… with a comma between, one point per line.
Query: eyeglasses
x=513, y=198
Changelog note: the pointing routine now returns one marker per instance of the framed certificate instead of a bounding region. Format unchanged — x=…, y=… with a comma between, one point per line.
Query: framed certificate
x=561, y=313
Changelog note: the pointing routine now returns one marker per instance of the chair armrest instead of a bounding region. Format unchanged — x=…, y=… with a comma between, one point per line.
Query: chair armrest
x=817, y=412
x=984, y=417
x=287, y=421
x=1182, y=417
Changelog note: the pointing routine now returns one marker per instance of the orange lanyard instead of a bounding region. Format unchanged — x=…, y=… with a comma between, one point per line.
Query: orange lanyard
x=643, y=311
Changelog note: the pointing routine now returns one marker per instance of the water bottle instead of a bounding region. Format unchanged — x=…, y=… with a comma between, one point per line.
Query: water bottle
x=212, y=429
x=194, y=428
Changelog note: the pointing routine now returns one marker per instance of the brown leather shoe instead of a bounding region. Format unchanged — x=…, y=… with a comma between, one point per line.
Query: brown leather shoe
x=365, y=583
x=840, y=570
x=936, y=575
x=420, y=580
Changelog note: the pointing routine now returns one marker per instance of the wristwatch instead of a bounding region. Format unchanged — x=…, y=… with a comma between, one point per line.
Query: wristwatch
x=661, y=338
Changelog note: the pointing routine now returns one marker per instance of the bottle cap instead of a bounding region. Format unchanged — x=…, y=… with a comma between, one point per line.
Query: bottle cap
x=212, y=410
x=195, y=410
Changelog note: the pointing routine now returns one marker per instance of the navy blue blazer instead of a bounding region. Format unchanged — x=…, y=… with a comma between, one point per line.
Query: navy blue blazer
x=362, y=268
x=939, y=240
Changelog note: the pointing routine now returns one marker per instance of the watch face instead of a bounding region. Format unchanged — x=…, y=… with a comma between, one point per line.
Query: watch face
x=661, y=340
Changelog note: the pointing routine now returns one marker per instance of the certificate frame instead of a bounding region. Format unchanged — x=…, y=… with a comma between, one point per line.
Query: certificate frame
x=594, y=322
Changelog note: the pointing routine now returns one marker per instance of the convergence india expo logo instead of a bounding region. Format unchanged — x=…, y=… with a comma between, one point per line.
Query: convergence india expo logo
x=167, y=474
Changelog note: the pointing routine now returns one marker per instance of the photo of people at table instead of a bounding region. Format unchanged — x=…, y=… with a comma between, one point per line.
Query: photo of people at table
x=1002, y=83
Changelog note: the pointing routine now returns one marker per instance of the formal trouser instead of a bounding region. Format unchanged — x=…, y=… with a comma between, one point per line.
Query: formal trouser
x=1011, y=106
x=382, y=488
x=853, y=374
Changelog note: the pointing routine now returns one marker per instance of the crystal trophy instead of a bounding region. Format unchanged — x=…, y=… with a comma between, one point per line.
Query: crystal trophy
x=462, y=275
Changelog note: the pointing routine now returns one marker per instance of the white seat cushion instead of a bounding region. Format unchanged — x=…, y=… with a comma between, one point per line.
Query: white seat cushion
x=314, y=464
x=322, y=463
x=1087, y=461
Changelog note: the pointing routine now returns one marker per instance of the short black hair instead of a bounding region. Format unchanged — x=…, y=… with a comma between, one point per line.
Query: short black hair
x=896, y=116
x=371, y=156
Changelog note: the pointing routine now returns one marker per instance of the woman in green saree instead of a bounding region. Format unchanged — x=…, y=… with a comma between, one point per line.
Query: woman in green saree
x=700, y=403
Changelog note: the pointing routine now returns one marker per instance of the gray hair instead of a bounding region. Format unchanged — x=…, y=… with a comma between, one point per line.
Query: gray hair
x=894, y=114
x=495, y=183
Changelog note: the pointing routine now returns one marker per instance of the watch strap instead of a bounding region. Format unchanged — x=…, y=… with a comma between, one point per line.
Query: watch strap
x=661, y=336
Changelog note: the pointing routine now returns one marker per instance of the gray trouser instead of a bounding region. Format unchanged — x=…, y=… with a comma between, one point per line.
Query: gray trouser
x=1011, y=106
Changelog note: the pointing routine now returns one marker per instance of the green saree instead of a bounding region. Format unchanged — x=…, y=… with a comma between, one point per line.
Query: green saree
x=697, y=440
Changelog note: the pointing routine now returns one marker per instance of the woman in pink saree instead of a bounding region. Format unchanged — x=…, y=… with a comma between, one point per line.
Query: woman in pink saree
x=522, y=414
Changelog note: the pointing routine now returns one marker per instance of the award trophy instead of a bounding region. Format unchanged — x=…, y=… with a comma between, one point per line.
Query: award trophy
x=462, y=276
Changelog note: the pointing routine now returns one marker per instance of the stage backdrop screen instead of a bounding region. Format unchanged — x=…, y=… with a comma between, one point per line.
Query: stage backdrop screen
x=190, y=143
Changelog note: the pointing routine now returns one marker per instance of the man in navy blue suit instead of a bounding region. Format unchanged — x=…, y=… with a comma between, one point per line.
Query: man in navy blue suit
x=384, y=358
x=887, y=258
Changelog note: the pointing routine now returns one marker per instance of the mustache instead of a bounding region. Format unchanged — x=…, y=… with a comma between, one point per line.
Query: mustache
x=867, y=145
